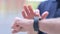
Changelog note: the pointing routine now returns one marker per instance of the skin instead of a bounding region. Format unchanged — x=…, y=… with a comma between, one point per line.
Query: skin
x=26, y=28
x=50, y=26
x=28, y=14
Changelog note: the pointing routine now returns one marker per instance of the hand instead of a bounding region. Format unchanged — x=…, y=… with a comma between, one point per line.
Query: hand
x=22, y=25
x=29, y=13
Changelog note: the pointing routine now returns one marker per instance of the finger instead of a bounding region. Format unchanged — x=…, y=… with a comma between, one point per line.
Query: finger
x=26, y=10
x=31, y=9
x=14, y=31
x=16, y=24
x=45, y=14
x=24, y=14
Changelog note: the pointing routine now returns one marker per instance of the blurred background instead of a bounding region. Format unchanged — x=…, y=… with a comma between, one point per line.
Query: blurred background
x=9, y=9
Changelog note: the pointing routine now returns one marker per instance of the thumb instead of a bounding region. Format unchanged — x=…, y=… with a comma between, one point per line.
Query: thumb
x=45, y=14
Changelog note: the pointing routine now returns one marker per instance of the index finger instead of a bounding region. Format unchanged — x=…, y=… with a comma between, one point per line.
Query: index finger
x=30, y=9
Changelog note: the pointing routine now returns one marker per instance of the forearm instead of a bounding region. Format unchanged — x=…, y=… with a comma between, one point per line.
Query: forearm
x=50, y=25
x=32, y=32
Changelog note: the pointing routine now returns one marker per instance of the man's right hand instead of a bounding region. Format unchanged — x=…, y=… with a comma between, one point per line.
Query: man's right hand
x=29, y=13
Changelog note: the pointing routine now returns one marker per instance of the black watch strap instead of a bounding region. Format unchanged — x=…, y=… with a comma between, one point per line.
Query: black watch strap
x=36, y=23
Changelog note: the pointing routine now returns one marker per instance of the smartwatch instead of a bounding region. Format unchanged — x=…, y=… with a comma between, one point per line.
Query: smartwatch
x=36, y=23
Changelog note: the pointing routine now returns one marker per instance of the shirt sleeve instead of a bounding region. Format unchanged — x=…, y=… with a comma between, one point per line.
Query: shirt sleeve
x=41, y=7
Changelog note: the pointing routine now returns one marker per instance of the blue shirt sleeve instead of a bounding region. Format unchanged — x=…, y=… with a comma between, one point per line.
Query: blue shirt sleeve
x=41, y=7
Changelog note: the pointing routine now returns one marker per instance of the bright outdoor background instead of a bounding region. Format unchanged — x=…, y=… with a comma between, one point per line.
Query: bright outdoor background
x=9, y=9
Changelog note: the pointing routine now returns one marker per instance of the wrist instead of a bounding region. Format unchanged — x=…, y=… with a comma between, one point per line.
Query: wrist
x=31, y=30
x=43, y=25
